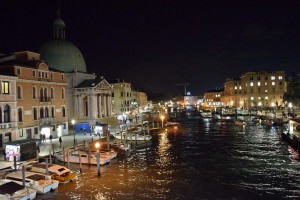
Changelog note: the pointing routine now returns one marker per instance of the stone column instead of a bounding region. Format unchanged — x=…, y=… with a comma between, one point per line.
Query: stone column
x=109, y=106
x=76, y=104
x=89, y=106
x=105, y=105
x=80, y=107
x=100, y=106
x=94, y=106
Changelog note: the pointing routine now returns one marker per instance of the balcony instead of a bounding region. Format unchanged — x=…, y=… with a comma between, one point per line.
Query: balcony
x=8, y=125
x=45, y=99
x=47, y=120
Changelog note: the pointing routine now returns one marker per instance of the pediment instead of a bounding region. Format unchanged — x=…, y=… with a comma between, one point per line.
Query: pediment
x=103, y=85
x=43, y=66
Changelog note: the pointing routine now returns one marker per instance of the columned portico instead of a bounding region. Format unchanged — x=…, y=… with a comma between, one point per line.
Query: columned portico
x=97, y=103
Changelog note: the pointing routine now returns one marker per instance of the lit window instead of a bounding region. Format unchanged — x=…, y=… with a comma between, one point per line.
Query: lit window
x=258, y=83
x=266, y=91
x=266, y=83
x=272, y=77
x=266, y=97
x=5, y=87
x=252, y=98
x=240, y=87
x=251, y=84
x=258, y=98
x=235, y=87
x=273, y=83
x=280, y=77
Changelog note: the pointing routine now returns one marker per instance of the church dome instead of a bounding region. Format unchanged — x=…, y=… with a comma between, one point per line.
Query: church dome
x=61, y=54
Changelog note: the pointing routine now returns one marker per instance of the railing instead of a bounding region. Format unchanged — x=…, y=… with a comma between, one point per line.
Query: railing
x=47, y=120
x=45, y=99
x=8, y=125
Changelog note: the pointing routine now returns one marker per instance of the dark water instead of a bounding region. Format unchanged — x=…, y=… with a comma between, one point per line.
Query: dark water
x=205, y=160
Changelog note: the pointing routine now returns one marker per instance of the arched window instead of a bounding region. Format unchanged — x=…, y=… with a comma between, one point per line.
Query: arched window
x=20, y=114
x=19, y=92
x=0, y=115
x=63, y=93
x=34, y=114
x=52, y=93
x=42, y=112
x=52, y=112
x=6, y=112
x=41, y=93
x=45, y=93
x=46, y=112
x=34, y=92
x=63, y=111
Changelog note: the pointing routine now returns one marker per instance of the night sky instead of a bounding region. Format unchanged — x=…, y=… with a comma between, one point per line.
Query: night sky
x=156, y=44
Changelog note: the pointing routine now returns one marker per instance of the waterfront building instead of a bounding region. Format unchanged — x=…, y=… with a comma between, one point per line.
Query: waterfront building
x=139, y=99
x=233, y=96
x=292, y=96
x=84, y=89
x=212, y=99
x=8, y=108
x=122, y=97
x=40, y=95
x=263, y=89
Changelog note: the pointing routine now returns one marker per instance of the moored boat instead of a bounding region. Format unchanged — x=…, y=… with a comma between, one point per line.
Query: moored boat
x=239, y=122
x=42, y=183
x=57, y=172
x=206, y=114
x=12, y=190
x=84, y=157
x=168, y=124
x=135, y=137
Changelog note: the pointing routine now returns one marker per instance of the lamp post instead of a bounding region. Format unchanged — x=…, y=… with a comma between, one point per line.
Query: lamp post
x=73, y=123
x=162, y=120
x=97, y=145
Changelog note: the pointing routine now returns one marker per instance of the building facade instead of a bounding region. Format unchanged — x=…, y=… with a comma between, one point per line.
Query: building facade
x=212, y=99
x=263, y=89
x=8, y=109
x=41, y=96
x=232, y=96
x=122, y=97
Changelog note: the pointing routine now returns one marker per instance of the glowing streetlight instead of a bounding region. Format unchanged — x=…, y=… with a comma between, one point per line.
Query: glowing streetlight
x=73, y=123
x=162, y=120
x=97, y=145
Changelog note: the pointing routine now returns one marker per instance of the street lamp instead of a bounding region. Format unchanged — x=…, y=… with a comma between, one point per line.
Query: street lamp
x=73, y=123
x=162, y=120
x=97, y=145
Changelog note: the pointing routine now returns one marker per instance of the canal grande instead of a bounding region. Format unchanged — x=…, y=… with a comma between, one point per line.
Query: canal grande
x=204, y=159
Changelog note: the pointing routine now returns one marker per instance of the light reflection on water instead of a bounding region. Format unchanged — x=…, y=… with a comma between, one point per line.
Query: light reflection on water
x=206, y=160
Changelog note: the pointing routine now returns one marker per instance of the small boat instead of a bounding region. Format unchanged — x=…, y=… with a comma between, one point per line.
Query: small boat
x=12, y=190
x=239, y=122
x=206, y=114
x=57, y=172
x=135, y=137
x=42, y=183
x=84, y=157
x=268, y=122
x=168, y=124
x=123, y=147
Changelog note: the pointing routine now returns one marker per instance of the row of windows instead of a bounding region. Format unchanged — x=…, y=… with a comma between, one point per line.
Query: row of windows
x=251, y=78
x=44, y=113
x=41, y=74
x=266, y=98
x=123, y=94
x=43, y=93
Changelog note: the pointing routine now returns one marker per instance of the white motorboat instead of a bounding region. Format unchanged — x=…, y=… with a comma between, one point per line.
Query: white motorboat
x=206, y=114
x=40, y=182
x=84, y=157
x=12, y=190
x=57, y=172
x=135, y=137
x=123, y=147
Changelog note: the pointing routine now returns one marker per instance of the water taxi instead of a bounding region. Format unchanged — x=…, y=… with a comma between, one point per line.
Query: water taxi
x=42, y=183
x=84, y=157
x=12, y=190
x=135, y=137
x=206, y=114
x=57, y=172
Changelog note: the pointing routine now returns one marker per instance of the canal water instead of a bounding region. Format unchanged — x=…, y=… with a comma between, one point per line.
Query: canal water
x=204, y=159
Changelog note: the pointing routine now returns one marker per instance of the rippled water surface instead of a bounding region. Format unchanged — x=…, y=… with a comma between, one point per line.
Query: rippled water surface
x=206, y=159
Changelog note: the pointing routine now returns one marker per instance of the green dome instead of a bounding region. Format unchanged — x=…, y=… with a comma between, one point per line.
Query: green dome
x=63, y=55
